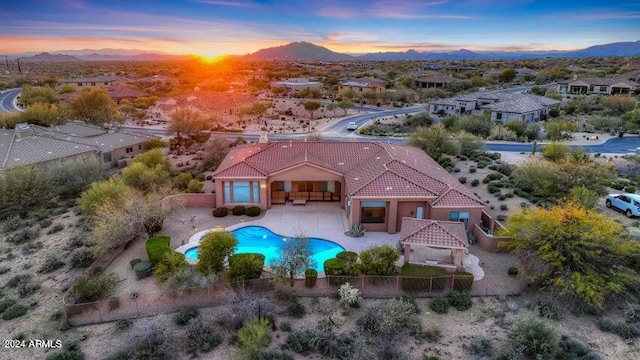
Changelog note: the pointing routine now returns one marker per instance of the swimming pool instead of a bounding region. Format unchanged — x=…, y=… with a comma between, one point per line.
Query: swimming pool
x=258, y=239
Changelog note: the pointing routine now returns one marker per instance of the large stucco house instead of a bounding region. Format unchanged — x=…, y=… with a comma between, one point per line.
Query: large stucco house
x=376, y=183
x=598, y=86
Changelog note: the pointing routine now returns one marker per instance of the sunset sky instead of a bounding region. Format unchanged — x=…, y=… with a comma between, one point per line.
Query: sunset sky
x=215, y=27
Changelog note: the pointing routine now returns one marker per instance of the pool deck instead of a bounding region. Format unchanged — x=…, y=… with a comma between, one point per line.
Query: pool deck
x=323, y=220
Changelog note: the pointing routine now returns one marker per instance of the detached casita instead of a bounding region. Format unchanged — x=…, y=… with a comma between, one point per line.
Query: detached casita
x=376, y=183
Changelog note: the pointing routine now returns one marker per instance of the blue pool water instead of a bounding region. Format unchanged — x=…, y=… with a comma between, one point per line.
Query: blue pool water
x=257, y=239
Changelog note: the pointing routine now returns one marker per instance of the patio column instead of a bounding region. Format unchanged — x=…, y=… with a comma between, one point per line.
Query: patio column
x=457, y=261
x=407, y=253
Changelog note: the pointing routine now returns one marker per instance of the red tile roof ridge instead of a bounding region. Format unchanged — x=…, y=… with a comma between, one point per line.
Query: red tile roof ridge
x=459, y=191
x=427, y=223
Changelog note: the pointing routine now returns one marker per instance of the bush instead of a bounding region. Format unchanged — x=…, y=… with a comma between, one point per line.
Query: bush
x=573, y=349
x=83, y=257
x=157, y=247
x=390, y=317
x=214, y=248
x=531, y=338
x=480, y=348
x=220, y=212
x=630, y=189
x=349, y=295
x=201, y=336
x=124, y=324
x=512, y=271
x=333, y=266
x=57, y=228
x=185, y=314
x=171, y=263
x=252, y=211
x=472, y=169
x=620, y=328
x=463, y=280
x=504, y=207
x=92, y=288
x=14, y=311
x=143, y=269
x=245, y=266
x=18, y=280
x=475, y=182
x=482, y=165
x=460, y=300
x=310, y=277
x=296, y=310
x=45, y=223
x=419, y=278
x=351, y=256
x=6, y=303
x=439, y=304
x=195, y=186
x=462, y=180
x=51, y=263
x=285, y=326
x=66, y=355
x=238, y=210
x=617, y=186
x=23, y=236
x=379, y=260
x=252, y=338
x=275, y=355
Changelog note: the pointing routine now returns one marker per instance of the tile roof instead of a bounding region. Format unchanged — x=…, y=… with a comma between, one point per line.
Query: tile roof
x=97, y=79
x=456, y=197
x=608, y=81
x=522, y=104
x=121, y=91
x=206, y=100
x=364, y=82
x=433, y=233
x=369, y=169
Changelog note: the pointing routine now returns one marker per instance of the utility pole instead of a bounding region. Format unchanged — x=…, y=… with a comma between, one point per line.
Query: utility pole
x=6, y=59
x=19, y=69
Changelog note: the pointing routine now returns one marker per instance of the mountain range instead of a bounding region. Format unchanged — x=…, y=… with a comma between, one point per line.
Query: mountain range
x=301, y=51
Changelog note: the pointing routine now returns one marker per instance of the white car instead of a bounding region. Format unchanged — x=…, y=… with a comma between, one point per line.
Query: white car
x=629, y=204
x=352, y=126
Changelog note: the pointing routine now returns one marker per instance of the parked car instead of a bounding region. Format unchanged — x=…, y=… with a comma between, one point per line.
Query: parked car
x=352, y=126
x=629, y=204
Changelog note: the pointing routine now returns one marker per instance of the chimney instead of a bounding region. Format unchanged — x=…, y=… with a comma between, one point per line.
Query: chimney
x=24, y=130
x=263, y=138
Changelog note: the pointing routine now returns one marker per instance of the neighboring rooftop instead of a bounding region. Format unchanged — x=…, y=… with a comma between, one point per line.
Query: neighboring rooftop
x=364, y=82
x=434, y=233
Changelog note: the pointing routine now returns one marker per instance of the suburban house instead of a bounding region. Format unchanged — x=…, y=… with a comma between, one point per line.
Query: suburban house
x=38, y=145
x=210, y=103
x=378, y=184
x=362, y=85
x=598, y=86
x=297, y=84
x=450, y=68
x=121, y=93
x=100, y=81
x=434, y=81
x=156, y=80
x=501, y=107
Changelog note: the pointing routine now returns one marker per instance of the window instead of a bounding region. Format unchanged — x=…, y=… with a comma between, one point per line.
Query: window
x=462, y=216
x=129, y=150
x=79, y=84
x=499, y=116
x=93, y=84
x=139, y=147
x=106, y=83
x=241, y=192
x=373, y=212
x=603, y=89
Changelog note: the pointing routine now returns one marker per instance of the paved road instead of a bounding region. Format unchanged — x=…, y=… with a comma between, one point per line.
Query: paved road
x=8, y=100
x=339, y=127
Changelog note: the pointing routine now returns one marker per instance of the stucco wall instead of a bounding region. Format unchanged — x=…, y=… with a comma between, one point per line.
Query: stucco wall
x=475, y=214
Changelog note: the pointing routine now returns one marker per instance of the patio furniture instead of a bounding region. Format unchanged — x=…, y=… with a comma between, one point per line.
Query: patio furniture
x=327, y=196
x=315, y=195
x=278, y=197
x=302, y=202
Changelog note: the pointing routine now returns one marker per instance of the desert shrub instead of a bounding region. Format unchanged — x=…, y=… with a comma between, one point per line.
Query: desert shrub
x=143, y=269
x=482, y=164
x=23, y=236
x=512, y=271
x=347, y=256
x=439, y=304
x=275, y=355
x=616, y=186
x=195, y=186
x=504, y=207
x=6, y=303
x=124, y=324
x=389, y=317
x=246, y=266
x=31, y=248
x=492, y=176
x=502, y=168
x=18, y=280
x=462, y=280
x=324, y=341
x=620, y=328
x=14, y=311
x=252, y=211
x=12, y=223
x=185, y=314
x=82, y=257
x=4, y=269
x=445, y=161
x=531, y=338
x=570, y=349
x=310, y=277
x=252, y=338
x=462, y=180
x=460, y=300
x=410, y=300
x=45, y=223
x=630, y=189
x=171, y=263
x=66, y=355
x=51, y=263
x=285, y=326
x=475, y=182
x=379, y=260
x=417, y=278
x=189, y=278
x=92, y=288
x=472, y=169
x=220, y=212
x=214, y=248
x=456, y=169
x=349, y=295
x=157, y=247
x=480, y=348
x=238, y=210
x=57, y=228
x=201, y=336
x=300, y=341
x=296, y=310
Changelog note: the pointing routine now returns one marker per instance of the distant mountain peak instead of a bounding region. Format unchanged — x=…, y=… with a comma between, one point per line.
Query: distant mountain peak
x=45, y=56
x=300, y=50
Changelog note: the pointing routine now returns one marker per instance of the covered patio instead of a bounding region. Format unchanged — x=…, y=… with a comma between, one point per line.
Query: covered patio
x=438, y=243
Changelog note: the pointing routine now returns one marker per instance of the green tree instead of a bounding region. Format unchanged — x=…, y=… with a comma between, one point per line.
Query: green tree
x=147, y=171
x=171, y=263
x=252, y=338
x=33, y=95
x=349, y=95
x=583, y=196
x=476, y=125
x=531, y=338
x=257, y=109
x=605, y=123
x=435, y=141
x=631, y=120
x=507, y=75
x=189, y=122
x=100, y=193
x=379, y=260
x=296, y=257
x=519, y=127
x=619, y=104
x=94, y=106
x=214, y=248
x=559, y=129
x=42, y=114
x=576, y=253
x=555, y=151
x=311, y=107
x=468, y=143
x=345, y=104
